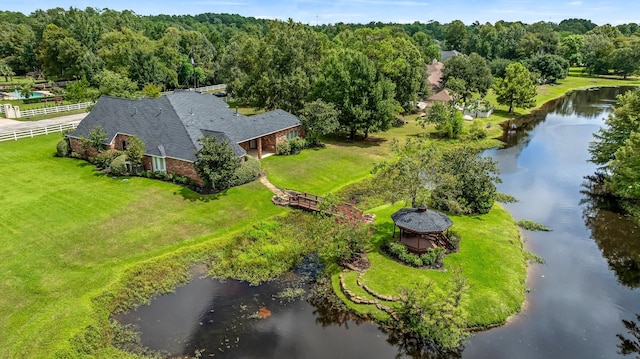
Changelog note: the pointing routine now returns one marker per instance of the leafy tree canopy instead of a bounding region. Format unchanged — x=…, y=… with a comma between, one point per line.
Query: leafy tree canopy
x=516, y=89
x=216, y=163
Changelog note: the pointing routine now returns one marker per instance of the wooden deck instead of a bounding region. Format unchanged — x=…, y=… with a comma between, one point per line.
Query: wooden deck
x=305, y=200
x=311, y=202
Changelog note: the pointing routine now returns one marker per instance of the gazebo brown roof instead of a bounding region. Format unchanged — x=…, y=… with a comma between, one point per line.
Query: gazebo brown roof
x=421, y=229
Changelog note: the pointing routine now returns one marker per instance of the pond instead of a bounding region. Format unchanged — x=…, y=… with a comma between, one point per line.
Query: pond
x=583, y=300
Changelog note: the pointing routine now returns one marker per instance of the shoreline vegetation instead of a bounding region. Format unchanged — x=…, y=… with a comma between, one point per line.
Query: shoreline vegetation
x=141, y=237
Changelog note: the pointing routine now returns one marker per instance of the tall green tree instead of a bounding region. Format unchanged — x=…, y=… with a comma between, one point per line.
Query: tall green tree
x=516, y=89
x=625, y=169
x=59, y=53
x=619, y=126
x=114, y=84
x=395, y=56
x=216, y=163
x=455, y=35
x=364, y=97
x=571, y=49
x=319, y=118
x=473, y=70
x=410, y=177
x=5, y=70
x=625, y=61
x=276, y=70
x=550, y=67
x=596, y=53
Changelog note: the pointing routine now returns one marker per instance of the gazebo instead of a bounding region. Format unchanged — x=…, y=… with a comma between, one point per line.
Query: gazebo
x=421, y=229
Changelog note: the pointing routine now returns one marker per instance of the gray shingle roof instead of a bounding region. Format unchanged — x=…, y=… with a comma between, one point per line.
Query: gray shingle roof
x=176, y=121
x=421, y=221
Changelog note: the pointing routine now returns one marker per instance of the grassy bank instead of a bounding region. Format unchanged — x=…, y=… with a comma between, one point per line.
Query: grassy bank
x=491, y=258
x=576, y=80
x=67, y=232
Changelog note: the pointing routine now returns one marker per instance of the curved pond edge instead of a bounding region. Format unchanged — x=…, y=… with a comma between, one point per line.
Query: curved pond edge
x=492, y=258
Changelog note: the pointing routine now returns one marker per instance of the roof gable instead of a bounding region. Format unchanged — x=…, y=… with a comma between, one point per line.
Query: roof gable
x=176, y=121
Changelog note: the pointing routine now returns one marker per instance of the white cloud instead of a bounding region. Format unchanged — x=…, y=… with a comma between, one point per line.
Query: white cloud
x=576, y=3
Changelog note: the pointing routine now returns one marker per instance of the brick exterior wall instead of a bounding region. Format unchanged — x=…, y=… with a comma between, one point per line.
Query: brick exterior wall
x=77, y=148
x=270, y=142
x=182, y=168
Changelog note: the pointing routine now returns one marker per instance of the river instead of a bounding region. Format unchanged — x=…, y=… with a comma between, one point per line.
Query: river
x=582, y=302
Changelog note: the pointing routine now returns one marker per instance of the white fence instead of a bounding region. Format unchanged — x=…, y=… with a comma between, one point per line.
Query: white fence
x=44, y=130
x=49, y=110
x=56, y=109
x=201, y=89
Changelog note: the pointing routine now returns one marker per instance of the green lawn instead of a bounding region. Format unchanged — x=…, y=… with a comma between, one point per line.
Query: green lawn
x=491, y=258
x=67, y=232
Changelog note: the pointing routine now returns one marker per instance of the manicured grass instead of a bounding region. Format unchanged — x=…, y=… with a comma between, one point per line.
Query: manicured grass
x=575, y=80
x=324, y=170
x=69, y=235
x=491, y=257
x=67, y=232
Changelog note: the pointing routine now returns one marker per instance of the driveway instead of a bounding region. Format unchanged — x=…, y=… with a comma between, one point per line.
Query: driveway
x=7, y=125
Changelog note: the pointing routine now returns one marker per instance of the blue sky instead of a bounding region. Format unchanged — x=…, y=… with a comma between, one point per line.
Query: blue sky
x=363, y=11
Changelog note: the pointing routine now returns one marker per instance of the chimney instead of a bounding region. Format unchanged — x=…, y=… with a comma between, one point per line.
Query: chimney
x=422, y=208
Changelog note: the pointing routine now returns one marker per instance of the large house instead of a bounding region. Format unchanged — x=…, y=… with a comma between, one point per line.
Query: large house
x=171, y=125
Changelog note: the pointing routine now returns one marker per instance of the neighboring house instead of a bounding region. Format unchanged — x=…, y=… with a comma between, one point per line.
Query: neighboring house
x=438, y=92
x=171, y=125
x=446, y=55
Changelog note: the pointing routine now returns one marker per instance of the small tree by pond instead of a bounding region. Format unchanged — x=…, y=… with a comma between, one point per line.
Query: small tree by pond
x=410, y=177
x=516, y=89
x=448, y=120
x=433, y=317
x=344, y=235
x=465, y=182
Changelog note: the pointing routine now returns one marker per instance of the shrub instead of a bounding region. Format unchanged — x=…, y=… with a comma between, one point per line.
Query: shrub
x=297, y=144
x=283, y=148
x=104, y=159
x=433, y=256
x=118, y=165
x=477, y=131
x=248, y=171
x=62, y=148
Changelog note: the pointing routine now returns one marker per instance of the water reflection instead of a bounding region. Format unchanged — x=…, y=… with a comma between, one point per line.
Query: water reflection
x=616, y=235
x=583, y=105
x=630, y=345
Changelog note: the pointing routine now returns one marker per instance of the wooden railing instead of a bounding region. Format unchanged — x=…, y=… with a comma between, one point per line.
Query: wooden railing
x=44, y=130
x=310, y=201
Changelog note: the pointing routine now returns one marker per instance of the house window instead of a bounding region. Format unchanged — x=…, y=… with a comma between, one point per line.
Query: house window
x=292, y=134
x=159, y=164
x=253, y=144
x=125, y=144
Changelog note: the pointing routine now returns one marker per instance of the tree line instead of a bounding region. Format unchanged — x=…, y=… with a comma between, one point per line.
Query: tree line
x=368, y=73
